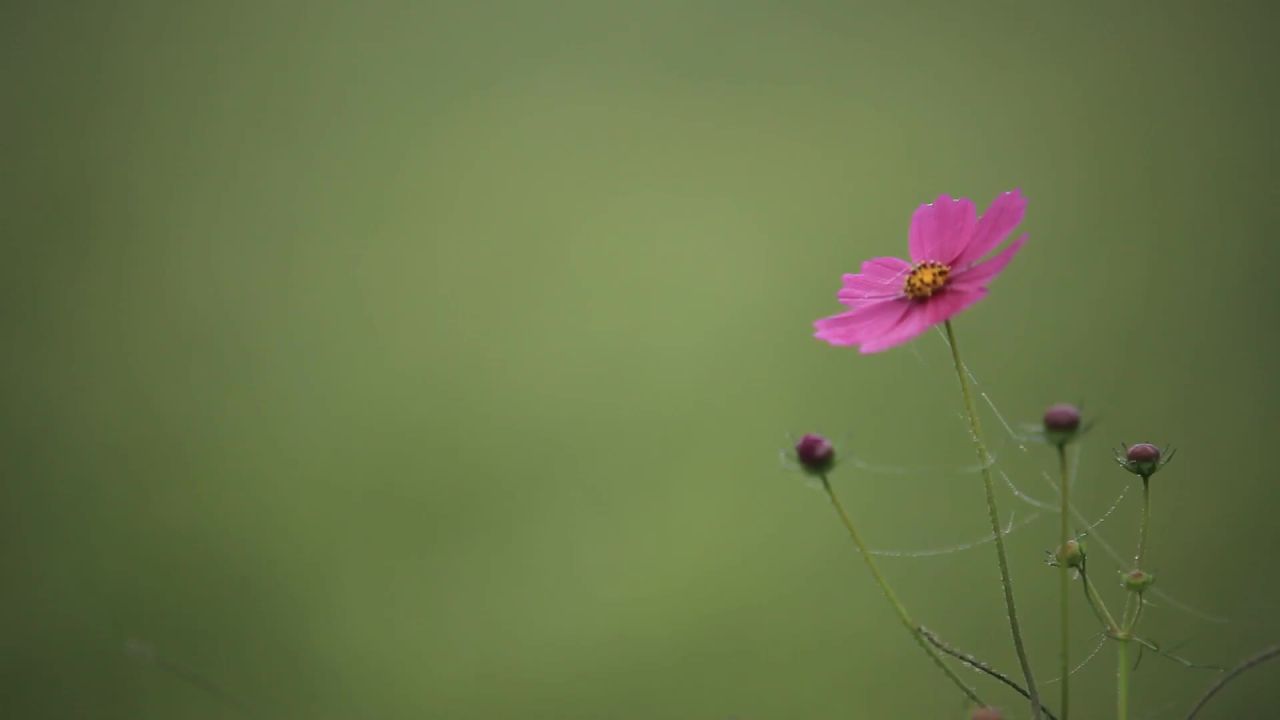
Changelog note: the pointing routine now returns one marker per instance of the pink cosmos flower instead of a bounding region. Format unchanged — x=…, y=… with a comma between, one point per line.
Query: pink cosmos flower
x=892, y=300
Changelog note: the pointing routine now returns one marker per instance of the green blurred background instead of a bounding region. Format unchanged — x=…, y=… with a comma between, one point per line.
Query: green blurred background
x=432, y=360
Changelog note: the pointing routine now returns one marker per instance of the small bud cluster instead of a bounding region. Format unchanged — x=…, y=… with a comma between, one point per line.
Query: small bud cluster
x=1060, y=425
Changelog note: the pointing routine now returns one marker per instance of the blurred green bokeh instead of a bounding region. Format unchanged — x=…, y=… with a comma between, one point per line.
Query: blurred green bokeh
x=431, y=360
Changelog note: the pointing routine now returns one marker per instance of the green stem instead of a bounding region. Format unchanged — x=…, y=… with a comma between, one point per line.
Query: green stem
x=1064, y=581
x=1122, y=679
x=1122, y=643
x=1099, y=607
x=1137, y=612
x=981, y=667
x=1146, y=520
x=993, y=514
x=1248, y=663
x=892, y=597
x=1133, y=604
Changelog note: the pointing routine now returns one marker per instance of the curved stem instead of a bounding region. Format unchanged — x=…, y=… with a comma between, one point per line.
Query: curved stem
x=1138, y=605
x=1064, y=581
x=980, y=666
x=1180, y=660
x=892, y=597
x=1122, y=679
x=1099, y=607
x=993, y=513
x=1249, y=662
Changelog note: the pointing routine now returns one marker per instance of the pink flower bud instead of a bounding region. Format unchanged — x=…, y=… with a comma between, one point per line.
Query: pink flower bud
x=815, y=454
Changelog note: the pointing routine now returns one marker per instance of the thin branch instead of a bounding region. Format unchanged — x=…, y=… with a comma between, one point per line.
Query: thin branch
x=1249, y=663
x=1102, y=640
x=993, y=515
x=1180, y=660
x=979, y=665
x=1096, y=602
x=892, y=597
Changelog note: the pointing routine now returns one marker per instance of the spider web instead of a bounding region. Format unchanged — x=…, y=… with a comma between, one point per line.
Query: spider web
x=1008, y=437
x=1096, y=538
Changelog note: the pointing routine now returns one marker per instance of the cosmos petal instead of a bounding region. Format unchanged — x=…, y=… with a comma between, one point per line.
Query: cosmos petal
x=946, y=231
x=909, y=326
x=977, y=276
x=923, y=316
x=886, y=269
x=951, y=302
x=997, y=222
x=858, y=324
x=941, y=230
x=881, y=279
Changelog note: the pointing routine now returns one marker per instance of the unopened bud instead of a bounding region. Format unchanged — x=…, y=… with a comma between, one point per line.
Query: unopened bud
x=986, y=713
x=815, y=454
x=1061, y=423
x=1143, y=452
x=1143, y=459
x=1138, y=580
x=1071, y=554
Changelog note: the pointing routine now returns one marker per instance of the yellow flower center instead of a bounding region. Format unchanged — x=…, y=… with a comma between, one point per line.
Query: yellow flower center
x=925, y=279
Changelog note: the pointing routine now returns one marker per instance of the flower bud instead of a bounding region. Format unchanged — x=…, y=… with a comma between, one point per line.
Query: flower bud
x=1143, y=453
x=815, y=454
x=1071, y=554
x=1138, y=580
x=1061, y=423
x=986, y=713
x=1143, y=459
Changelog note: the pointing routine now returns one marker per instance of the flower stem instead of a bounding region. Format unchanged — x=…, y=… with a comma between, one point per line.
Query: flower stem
x=1064, y=577
x=1134, y=602
x=1248, y=663
x=1146, y=520
x=993, y=513
x=1099, y=607
x=915, y=630
x=1122, y=679
x=980, y=666
x=1122, y=644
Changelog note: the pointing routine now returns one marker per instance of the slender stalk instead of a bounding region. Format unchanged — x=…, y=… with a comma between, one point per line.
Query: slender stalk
x=1249, y=662
x=1138, y=605
x=1099, y=607
x=1146, y=520
x=993, y=513
x=915, y=630
x=1064, y=581
x=1180, y=660
x=980, y=666
x=1134, y=601
x=1122, y=679
x=1122, y=639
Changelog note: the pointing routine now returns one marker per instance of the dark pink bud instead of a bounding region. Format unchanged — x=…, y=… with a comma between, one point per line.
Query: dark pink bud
x=1062, y=418
x=815, y=454
x=1143, y=459
x=1061, y=423
x=1143, y=453
x=986, y=713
